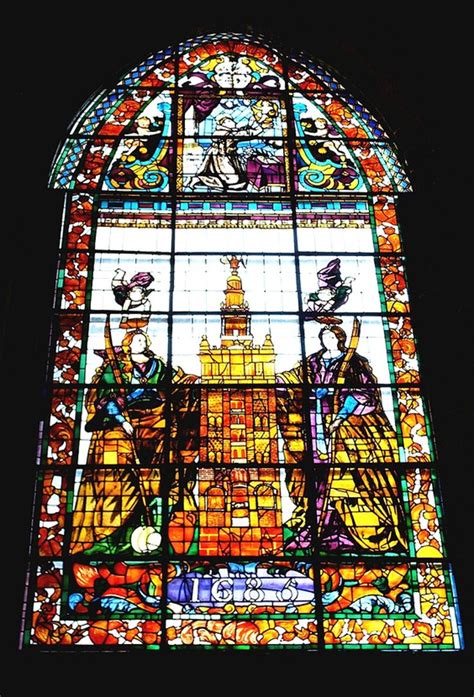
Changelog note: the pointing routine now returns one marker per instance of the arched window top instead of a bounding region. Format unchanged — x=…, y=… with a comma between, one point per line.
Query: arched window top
x=152, y=131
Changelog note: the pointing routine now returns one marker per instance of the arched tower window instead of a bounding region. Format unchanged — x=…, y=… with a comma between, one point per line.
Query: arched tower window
x=223, y=184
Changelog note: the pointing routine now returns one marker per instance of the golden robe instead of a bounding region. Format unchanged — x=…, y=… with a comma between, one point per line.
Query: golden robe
x=357, y=507
x=123, y=473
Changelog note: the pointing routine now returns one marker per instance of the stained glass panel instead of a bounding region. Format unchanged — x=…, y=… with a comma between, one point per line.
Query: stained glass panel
x=236, y=451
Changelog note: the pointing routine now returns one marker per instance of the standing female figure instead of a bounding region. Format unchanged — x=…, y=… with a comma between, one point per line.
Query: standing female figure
x=138, y=426
x=354, y=446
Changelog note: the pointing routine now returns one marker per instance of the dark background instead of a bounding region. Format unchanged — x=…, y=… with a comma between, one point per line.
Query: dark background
x=407, y=66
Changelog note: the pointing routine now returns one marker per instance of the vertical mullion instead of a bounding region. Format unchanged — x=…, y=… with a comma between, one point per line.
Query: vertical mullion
x=40, y=468
x=166, y=475
x=308, y=463
x=385, y=316
x=74, y=468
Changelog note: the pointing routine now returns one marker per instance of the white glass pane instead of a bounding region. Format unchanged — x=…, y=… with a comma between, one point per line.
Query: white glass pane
x=221, y=239
x=114, y=272
x=357, y=275
x=269, y=283
x=129, y=239
x=335, y=239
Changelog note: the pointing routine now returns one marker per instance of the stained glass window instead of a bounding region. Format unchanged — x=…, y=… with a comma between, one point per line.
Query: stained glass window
x=238, y=453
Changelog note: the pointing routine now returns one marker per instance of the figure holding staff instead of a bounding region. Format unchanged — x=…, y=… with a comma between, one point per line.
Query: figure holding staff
x=131, y=415
x=354, y=445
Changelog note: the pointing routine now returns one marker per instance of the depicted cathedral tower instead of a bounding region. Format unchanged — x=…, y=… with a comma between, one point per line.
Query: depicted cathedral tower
x=238, y=506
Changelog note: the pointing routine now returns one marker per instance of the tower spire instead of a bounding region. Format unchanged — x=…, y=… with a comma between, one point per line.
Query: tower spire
x=235, y=313
x=237, y=359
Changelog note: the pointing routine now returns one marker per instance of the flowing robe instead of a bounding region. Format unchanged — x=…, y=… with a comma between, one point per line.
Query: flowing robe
x=222, y=167
x=123, y=472
x=357, y=506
